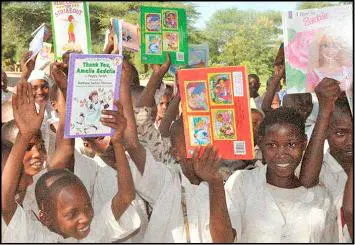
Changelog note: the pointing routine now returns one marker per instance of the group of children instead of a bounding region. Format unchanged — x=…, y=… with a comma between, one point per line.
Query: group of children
x=138, y=186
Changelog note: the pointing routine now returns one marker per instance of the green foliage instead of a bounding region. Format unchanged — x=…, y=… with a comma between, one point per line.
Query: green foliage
x=245, y=38
x=313, y=5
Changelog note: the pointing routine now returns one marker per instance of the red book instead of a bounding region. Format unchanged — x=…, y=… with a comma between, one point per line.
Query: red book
x=215, y=107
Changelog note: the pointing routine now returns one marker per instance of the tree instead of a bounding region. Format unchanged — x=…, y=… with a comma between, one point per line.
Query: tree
x=311, y=5
x=247, y=38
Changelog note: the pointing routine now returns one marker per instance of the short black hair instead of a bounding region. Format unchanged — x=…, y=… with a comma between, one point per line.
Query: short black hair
x=342, y=105
x=282, y=115
x=256, y=77
x=176, y=129
x=50, y=183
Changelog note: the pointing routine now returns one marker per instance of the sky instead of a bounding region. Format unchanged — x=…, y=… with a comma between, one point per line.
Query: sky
x=208, y=8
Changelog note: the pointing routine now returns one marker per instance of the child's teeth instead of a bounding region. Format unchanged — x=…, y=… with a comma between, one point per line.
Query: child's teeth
x=282, y=165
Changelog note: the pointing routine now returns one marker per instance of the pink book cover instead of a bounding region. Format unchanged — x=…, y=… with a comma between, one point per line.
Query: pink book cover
x=130, y=36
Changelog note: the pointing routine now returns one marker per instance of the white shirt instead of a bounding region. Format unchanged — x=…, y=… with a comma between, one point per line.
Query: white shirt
x=333, y=177
x=160, y=185
x=256, y=216
x=100, y=181
x=24, y=228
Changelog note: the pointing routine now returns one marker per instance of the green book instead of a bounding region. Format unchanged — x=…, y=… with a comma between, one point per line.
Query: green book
x=163, y=30
x=70, y=27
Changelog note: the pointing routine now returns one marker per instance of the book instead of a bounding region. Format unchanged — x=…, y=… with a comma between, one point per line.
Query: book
x=163, y=30
x=198, y=55
x=93, y=85
x=198, y=58
x=117, y=38
x=70, y=27
x=130, y=36
x=37, y=42
x=44, y=58
x=215, y=109
x=318, y=44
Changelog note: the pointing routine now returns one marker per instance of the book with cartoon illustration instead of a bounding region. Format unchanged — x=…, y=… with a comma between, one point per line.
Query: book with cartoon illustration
x=44, y=58
x=93, y=85
x=163, y=30
x=215, y=108
x=318, y=44
x=117, y=38
x=70, y=27
x=198, y=55
x=130, y=36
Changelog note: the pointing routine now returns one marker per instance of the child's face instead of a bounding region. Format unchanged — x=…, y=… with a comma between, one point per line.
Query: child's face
x=35, y=156
x=94, y=98
x=256, y=118
x=40, y=90
x=73, y=212
x=99, y=145
x=340, y=137
x=163, y=105
x=282, y=147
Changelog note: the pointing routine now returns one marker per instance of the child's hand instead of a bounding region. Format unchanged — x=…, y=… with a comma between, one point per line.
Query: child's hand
x=28, y=67
x=115, y=120
x=26, y=117
x=57, y=72
x=162, y=69
x=206, y=166
x=327, y=92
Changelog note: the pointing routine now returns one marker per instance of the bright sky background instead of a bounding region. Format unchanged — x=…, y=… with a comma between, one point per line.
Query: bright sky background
x=208, y=8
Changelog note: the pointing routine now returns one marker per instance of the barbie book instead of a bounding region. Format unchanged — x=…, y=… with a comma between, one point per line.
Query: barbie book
x=70, y=27
x=130, y=36
x=318, y=44
x=163, y=30
x=93, y=85
x=215, y=108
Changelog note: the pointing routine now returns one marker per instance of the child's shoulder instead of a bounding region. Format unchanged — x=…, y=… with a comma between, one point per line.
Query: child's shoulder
x=247, y=179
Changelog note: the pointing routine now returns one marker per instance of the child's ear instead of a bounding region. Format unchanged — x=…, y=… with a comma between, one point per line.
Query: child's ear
x=44, y=218
x=259, y=140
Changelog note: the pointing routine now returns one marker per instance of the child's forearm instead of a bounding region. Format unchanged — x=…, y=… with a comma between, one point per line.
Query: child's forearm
x=170, y=116
x=138, y=155
x=313, y=156
x=147, y=96
x=126, y=189
x=11, y=175
x=348, y=204
x=220, y=224
x=269, y=95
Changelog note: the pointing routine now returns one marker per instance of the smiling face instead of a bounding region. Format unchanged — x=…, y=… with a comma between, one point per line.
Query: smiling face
x=73, y=212
x=35, y=156
x=329, y=48
x=282, y=147
x=40, y=90
x=163, y=105
x=340, y=138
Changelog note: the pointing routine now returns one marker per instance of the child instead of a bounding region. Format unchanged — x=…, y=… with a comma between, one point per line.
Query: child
x=269, y=204
x=61, y=194
x=334, y=123
x=185, y=202
x=98, y=173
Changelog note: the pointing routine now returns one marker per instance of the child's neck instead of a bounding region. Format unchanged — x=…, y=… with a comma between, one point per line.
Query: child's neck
x=288, y=182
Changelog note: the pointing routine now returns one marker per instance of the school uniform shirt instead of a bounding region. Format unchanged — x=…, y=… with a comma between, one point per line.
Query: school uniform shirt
x=161, y=186
x=104, y=228
x=150, y=137
x=105, y=187
x=333, y=177
x=258, y=102
x=262, y=213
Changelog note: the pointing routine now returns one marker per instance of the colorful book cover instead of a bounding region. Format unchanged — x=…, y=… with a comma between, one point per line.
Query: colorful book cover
x=130, y=36
x=215, y=108
x=70, y=27
x=198, y=55
x=318, y=44
x=93, y=85
x=44, y=58
x=163, y=30
x=37, y=42
x=117, y=38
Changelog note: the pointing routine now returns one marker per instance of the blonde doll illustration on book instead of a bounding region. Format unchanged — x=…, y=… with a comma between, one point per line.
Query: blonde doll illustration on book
x=199, y=126
x=329, y=57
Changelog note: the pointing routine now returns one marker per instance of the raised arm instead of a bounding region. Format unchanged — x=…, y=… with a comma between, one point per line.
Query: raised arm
x=63, y=156
x=123, y=198
x=134, y=148
x=110, y=43
x=29, y=122
x=206, y=166
x=348, y=204
x=279, y=73
x=147, y=96
x=26, y=68
x=327, y=92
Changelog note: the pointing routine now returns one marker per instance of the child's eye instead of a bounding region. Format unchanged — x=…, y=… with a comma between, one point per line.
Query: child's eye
x=339, y=133
x=272, y=145
x=71, y=214
x=29, y=147
x=292, y=145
